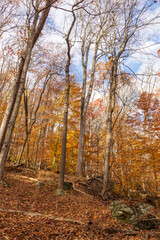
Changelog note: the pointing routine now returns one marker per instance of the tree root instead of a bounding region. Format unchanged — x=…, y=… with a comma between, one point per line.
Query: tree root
x=80, y=191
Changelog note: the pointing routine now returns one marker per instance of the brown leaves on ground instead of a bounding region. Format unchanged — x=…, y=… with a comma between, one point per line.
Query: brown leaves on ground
x=24, y=198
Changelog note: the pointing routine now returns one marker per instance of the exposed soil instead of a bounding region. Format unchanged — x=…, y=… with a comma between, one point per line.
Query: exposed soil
x=31, y=212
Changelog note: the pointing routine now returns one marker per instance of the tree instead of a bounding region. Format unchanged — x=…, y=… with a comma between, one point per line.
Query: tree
x=66, y=104
x=28, y=130
x=147, y=127
x=126, y=20
x=6, y=12
x=94, y=138
x=93, y=26
x=137, y=142
x=40, y=15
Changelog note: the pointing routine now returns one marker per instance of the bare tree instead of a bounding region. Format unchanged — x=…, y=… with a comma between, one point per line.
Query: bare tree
x=6, y=15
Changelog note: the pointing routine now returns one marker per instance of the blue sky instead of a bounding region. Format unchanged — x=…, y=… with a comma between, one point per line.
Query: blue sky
x=146, y=51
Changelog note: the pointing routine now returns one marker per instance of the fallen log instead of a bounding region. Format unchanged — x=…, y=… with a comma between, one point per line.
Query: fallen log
x=36, y=214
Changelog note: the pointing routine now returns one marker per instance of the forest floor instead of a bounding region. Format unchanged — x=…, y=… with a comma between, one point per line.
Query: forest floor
x=31, y=212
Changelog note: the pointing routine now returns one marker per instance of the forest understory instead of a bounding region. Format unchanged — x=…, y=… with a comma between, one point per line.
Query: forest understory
x=31, y=210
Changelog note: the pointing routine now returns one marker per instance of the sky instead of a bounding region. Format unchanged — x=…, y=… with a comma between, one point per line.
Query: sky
x=143, y=60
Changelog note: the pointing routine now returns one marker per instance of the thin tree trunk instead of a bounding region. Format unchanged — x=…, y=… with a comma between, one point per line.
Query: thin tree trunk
x=87, y=40
x=66, y=106
x=81, y=146
x=28, y=131
x=130, y=168
x=44, y=130
x=84, y=105
x=155, y=171
x=109, y=128
x=37, y=147
x=107, y=153
x=98, y=147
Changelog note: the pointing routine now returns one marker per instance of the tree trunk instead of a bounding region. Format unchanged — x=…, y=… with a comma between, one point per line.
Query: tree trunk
x=37, y=147
x=67, y=90
x=28, y=131
x=64, y=135
x=6, y=145
x=84, y=105
x=11, y=103
x=113, y=79
x=81, y=146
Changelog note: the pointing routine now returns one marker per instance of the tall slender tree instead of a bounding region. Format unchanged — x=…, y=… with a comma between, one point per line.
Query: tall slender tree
x=93, y=26
x=66, y=104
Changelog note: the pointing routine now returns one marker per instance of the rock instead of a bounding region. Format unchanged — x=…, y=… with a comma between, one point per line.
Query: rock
x=39, y=184
x=142, y=208
x=138, y=215
x=68, y=185
x=122, y=212
x=4, y=184
x=60, y=192
x=150, y=222
x=50, y=182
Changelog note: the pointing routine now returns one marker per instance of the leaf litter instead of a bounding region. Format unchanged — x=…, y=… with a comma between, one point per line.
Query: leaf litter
x=31, y=213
